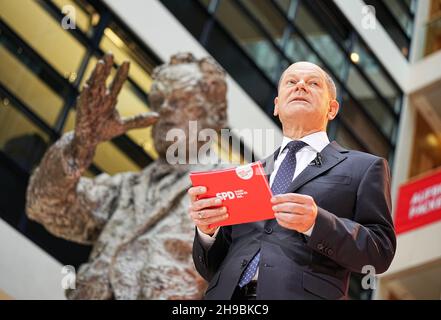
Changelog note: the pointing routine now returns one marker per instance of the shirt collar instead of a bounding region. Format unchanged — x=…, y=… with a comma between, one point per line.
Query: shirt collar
x=317, y=141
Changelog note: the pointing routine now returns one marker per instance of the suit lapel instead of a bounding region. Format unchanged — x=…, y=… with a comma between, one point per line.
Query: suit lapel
x=268, y=163
x=332, y=155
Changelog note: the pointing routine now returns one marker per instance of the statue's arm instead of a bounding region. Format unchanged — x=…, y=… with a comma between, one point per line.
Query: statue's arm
x=67, y=204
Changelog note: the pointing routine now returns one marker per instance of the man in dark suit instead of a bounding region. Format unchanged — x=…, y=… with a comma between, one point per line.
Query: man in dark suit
x=332, y=209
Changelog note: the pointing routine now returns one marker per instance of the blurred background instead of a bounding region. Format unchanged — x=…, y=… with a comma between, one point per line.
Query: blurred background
x=384, y=56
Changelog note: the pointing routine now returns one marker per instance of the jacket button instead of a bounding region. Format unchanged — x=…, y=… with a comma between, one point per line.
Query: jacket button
x=200, y=258
x=330, y=252
x=268, y=230
x=320, y=246
x=244, y=263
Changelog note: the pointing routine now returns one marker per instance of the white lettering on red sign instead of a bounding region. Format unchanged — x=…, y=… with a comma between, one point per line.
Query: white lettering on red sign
x=425, y=201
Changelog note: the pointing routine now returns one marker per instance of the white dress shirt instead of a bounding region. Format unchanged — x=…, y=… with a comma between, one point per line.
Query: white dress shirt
x=316, y=143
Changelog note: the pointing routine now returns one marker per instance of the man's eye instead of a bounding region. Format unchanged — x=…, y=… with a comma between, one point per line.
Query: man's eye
x=292, y=82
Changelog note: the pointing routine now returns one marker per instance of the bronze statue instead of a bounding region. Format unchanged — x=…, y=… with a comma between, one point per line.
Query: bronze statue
x=137, y=222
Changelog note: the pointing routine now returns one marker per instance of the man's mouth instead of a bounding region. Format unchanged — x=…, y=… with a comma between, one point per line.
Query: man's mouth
x=299, y=99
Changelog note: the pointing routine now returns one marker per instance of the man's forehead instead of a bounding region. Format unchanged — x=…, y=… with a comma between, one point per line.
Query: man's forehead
x=305, y=68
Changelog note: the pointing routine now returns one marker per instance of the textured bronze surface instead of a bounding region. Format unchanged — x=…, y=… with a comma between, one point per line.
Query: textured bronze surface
x=137, y=222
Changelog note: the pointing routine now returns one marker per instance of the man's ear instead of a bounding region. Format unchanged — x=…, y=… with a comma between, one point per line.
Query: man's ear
x=333, y=109
x=276, y=107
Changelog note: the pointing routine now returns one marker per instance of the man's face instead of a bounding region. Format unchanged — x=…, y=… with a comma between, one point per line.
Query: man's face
x=178, y=99
x=303, y=99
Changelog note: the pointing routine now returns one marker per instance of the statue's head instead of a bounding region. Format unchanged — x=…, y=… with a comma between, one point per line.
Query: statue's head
x=187, y=89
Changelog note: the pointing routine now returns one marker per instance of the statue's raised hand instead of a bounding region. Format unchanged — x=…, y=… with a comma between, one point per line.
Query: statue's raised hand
x=97, y=119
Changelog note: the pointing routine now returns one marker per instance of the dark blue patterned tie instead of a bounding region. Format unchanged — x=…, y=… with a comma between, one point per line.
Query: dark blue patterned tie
x=286, y=170
x=280, y=185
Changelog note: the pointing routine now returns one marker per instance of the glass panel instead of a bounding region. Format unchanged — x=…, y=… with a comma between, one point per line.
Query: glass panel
x=393, y=28
x=400, y=14
x=139, y=70
x=331, y=18
x=364, y=94
x=273, y=22
x=376, y=75
x=85, y=17
x=430, y=32
x=108, y=157
x=247, y=34
x=365, y=130
x=20, y=139
x=433, y=35
x=27, y=87
x=297, y=50
x=346, y=140
x=130, y=103
x=39, y=30
x=222, y=45
x=411, y=4
x=206, y=3
x=426, y=153
x=92, y=62
x=321, y=41
x=284, y=4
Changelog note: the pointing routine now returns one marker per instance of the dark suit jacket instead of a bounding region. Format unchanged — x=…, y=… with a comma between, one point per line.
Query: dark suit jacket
x=353, y=229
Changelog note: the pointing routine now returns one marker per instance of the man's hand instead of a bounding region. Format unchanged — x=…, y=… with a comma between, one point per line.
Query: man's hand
x=294, y=211
x=97, y=119
x=205, y=211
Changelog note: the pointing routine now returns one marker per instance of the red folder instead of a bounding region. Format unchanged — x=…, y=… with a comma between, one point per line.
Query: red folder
x=244, y=192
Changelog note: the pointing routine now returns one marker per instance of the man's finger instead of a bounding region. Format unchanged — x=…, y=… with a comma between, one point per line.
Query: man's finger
x=291, y=197
x=284, y=224
x=208, y=213
x=120, y=78
x=140, y=121
x=290, y=207
x=288, y=218
x=206, y=222
x=206, y=203
x=196, y=191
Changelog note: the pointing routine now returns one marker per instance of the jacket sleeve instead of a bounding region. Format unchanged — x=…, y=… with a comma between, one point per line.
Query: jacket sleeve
x=368, y=239
x=208, y=261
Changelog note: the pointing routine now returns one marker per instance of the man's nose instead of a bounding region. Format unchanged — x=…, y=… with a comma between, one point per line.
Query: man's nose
x=301, y=85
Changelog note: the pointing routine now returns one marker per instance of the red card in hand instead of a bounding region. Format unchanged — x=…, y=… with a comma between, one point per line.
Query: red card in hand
x=244, y=192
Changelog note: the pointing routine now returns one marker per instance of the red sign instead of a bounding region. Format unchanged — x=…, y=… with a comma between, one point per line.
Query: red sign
x=419, y=203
